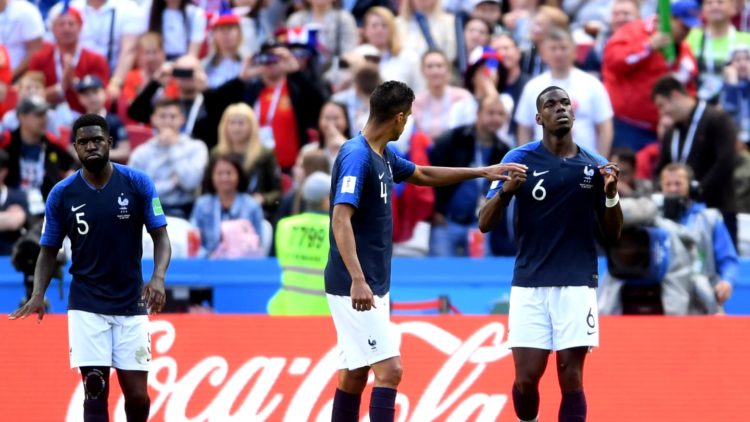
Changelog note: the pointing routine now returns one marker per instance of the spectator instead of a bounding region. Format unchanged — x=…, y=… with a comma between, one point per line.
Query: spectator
x=302, y=250
x=190, y=80
x=150, y=59
x=515, y=80
x=334, y=128
x=358, y=8
x=6, y=76
x=712, y=45
x=395, y=61
x=518, y=18
x=183, y=22
x=632, y=64
x=357, y=98
x=254, y=23
x=716, y=254
x=337, y=28
x=702, y=137
x=476, y=33
x=623, y=11
x=36, y=163
x=628, y=185
x=474, y=145
x=30, y=85
x=239, y=137
x=432, y=106
x=545, y=18
x=21, y=32
x=735, y=97
x=587, y=14
x=174, y=161
x=593, y=110
x=225, y=63
x=310, y=160
x=93, y=98
x=225, y=207
x=742, y=178
x=426, y=26
x=489, y=11
x=286, y=102
x=65, y=62
x=12, y=209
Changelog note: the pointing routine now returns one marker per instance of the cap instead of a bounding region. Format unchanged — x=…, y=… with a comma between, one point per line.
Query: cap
x=687, y=11
x=366, y=50
x=225, y=17
x=89, y=82
x=487, y=54
x=61, y=9
x=316, y=187
x=34, y=104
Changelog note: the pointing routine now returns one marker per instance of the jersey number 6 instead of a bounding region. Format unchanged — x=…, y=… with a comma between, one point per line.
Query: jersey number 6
x=539, y=193
x=83, y=226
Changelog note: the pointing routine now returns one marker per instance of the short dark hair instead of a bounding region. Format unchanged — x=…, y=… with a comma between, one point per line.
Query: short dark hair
x=167, y=102
x=546, y=90
x=389, y=99
x=90, y=120
x=666, y=85
x=624, y=155
x=208, y=181
x=4, y=159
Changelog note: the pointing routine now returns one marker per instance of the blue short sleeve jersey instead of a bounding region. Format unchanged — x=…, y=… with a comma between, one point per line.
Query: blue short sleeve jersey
x=105, y=228
x=556, y=217
x=364, y=180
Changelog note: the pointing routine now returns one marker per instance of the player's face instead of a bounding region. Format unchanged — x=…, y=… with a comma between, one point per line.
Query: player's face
x=675, y=183
x=92, y=146
x=556, y=112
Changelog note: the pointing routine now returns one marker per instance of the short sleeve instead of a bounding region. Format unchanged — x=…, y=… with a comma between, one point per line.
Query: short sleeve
x=353, y=167
x=153, y=214
x=402, y=169
x=526, y=107
x=53, y=228
x=513, y=156
x=197, y=25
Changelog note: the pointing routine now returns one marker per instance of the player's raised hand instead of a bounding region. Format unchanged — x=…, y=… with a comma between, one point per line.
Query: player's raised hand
x=154, y=295
x=35, y=305
x=362, y=299
x=502, y=171
x=514, y=180
x=611, y=173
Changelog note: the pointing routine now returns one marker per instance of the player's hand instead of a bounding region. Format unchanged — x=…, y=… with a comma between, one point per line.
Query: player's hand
x=723, y=290
x=611, y=173
x=35, y=305
x=362, y=299
x=154, y=295
x=514, y=181
x=502, y=171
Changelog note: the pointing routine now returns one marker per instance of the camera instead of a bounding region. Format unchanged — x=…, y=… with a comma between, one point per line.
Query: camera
x=182, y=73
x=266, y=58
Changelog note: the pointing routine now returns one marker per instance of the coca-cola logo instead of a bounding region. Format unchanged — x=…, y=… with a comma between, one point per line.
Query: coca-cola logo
x=259, y=388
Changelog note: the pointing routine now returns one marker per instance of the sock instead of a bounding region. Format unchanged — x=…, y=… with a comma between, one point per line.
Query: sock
x=526, y=404
x=345, y=407
x=137, y=411
x=382, y=404
x=95, y=411
x=573, y=407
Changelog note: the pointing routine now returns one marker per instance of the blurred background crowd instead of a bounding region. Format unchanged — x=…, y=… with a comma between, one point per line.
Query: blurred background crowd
x=231, y=108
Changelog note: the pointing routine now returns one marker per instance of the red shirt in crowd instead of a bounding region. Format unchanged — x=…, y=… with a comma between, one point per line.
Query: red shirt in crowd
x=6, y=77
x=630, y=69
x=89, y=63
x=284, y=124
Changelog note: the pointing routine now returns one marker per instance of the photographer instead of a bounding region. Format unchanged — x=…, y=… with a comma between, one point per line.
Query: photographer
x=12, y=209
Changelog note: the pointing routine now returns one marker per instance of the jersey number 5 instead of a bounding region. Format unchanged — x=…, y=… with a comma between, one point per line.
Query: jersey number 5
x=383, y=192
x=539, y=193
x=83, y=226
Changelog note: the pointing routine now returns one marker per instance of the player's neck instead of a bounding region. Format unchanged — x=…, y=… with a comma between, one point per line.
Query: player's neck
x=376, y=137
x=561, y=146
x=98, y=180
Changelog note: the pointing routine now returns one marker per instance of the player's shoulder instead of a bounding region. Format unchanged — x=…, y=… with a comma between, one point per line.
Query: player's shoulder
x=593, y=156
x=354, y=149
x=131, y=174
x=58, y=191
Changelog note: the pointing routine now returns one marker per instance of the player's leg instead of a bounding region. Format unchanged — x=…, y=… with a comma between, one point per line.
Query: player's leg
x=96, y=392
x=388, y=374
x=90, y=347
x=134, y=385
x=570, y=376
x=530, y=365
x=346, y=401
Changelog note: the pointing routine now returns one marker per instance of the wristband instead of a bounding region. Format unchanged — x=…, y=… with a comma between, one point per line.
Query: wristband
x=611, y=202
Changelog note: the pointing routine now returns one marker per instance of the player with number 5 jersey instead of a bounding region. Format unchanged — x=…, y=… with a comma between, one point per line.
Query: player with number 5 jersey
x=566, y=197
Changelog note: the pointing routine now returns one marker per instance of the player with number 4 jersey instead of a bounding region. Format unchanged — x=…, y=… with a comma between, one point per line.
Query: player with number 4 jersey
x=566, y=197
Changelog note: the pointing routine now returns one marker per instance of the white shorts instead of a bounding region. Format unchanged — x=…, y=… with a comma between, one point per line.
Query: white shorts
x=118, y=341
x=364, y=338
x=553, y=318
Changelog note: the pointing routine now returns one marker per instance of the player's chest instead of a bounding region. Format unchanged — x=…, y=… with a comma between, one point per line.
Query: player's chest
x=551, y=180
x=379, y=186
x=100, y=210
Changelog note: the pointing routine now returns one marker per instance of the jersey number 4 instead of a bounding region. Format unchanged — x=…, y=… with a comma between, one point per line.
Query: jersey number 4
x=384, y=192
x=83, y=226
x=539, y=193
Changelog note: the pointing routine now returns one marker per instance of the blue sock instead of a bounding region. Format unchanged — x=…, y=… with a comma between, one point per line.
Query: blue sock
x=95, y=411
x=573, y=407
x=345, y=407
x=526, y=404
x=382, y=404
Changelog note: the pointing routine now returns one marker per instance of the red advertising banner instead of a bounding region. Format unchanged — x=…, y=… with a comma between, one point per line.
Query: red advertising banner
x=456, y=368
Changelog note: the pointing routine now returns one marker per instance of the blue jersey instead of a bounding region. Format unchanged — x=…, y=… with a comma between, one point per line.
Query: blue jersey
x=556, y=217
x=105, y=228
x=364, y=179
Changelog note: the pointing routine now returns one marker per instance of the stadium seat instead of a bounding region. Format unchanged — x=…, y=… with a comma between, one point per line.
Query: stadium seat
x=138, y=135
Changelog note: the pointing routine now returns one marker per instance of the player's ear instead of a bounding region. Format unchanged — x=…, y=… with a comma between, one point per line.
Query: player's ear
x=538, y=119
x=110, y=141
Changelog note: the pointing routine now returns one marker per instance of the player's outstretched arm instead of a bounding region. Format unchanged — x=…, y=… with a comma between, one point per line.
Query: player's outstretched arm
x=442, y=176
x=492, y=211
x=154, y=292
x=45, y=265
x=612, y=216
x=341, y=224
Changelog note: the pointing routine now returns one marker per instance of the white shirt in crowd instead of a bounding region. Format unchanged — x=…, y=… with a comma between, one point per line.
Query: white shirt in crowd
x=173, y=24
x=590, y=102
x=20, y=23
x=432, y=114
x=465, y=112
x=224, y=71
x=403, y=67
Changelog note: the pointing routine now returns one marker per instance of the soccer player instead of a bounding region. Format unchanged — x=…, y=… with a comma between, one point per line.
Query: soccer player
x=571, y=197
x=102, y=209
x=357, y=276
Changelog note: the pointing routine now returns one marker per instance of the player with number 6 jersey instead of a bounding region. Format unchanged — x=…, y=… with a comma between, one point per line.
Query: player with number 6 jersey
x=566, y=197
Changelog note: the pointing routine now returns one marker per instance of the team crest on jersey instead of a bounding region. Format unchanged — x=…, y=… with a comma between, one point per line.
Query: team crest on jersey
x=123, y=203
x=588, y=174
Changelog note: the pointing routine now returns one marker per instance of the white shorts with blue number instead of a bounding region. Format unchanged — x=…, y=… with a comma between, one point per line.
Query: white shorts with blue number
x=118, y=341
x=553, y=318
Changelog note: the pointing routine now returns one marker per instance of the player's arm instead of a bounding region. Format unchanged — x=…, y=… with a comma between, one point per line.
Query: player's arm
x=154, y=292
x=343, y=232
x=492, y=211
x=45, y=265
x=611, y=216
x=442, y=176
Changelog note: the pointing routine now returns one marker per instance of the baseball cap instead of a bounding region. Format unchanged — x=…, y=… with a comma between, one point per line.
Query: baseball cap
x=316, y=187
x=89, y=82
x=34, y=104
x=688, y=11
